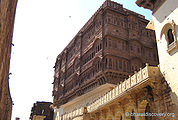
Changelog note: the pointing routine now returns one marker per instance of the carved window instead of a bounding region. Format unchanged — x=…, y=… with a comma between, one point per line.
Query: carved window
x=105, y=21
x=63, y=60
x=138, y=50
x=127, y=66
x=106, y=62
x=110, y=63
x=114, y=44
x=123, y=46
x=100, y=23
x=170, y=36
x=92, y=55
x=98, y=66
x=129, y=26
x=100, y=46
x=69, y=72
x=124, y=66
x=131, y=48
x=110, y=44
x=125, y=25
x=109, y=20
x=120, y=64
x=135, y=68
x=118, y=45
x=132, y=68
x=115, y=21
x=149, y=54
x=116, y=65
x=169, y=30
x=154, y=57
x=96, y=49
x=106, y=44
x=118, y=23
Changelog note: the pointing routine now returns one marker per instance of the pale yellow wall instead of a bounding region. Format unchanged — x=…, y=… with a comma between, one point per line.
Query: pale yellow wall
x=38, y=117
x=79, y=103
x=85, y=100
x=168, y=61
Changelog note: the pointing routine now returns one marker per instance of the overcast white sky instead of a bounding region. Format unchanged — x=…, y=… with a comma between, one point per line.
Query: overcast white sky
x=42, y=29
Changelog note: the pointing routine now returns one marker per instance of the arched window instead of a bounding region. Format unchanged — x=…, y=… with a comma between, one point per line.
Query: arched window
x=106, y=63
x=168, y=30
x=116, y=65
x=170, y=36
x=110, y=63
x=120, y=64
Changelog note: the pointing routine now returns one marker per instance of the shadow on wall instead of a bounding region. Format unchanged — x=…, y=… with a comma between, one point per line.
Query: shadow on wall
x=172, y=103
x=167, y=8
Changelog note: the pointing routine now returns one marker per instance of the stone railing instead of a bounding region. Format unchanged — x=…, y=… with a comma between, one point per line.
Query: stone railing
x=143, y=75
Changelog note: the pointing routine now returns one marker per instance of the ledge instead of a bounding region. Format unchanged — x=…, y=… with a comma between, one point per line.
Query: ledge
x=172, y=47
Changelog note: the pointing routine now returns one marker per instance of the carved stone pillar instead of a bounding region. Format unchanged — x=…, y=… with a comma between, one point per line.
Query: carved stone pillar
x=133, y=104
x=112, y=110
x=87, y=116
x=120, y=111
x=104, y=113
x=141, y=108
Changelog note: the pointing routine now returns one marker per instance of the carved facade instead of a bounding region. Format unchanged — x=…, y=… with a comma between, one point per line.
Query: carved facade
x=7, y=15
x=110, y=46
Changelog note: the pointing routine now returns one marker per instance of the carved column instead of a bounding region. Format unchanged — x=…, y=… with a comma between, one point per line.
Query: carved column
x=120, y=111
x=104, y=113
x=112, y=110
x=141, y=108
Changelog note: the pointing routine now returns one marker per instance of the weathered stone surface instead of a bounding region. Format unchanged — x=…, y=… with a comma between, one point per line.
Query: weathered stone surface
x=7, y=14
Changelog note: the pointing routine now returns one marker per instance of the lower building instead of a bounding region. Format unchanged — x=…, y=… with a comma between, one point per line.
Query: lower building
x=41, y=111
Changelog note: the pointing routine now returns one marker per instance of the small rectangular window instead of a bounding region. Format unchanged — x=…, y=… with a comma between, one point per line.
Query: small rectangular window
x=120, y=64
x=110, y=63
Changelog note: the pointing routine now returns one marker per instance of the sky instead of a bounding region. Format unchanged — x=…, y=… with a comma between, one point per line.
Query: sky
x=42, y=29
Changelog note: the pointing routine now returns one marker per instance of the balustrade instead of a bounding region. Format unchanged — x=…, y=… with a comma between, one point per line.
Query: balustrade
x=137, y=78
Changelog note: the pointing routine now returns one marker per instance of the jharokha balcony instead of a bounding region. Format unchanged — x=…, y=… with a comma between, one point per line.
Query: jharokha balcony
x=132, y=95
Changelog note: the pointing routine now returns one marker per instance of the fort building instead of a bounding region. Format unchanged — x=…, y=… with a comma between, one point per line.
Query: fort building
x=103, y=72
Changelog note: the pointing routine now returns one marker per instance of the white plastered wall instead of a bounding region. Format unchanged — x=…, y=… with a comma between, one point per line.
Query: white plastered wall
x=165, y=16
